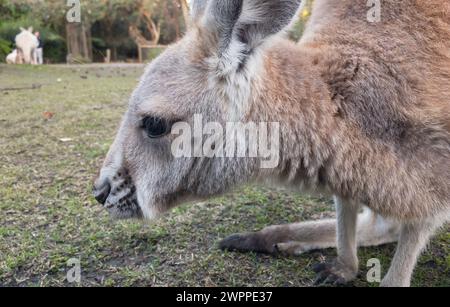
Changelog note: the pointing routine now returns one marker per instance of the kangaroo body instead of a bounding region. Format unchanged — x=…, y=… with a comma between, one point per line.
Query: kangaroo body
x=364, y=113
x=12, y=57
x=380, y=91
x=26, y=44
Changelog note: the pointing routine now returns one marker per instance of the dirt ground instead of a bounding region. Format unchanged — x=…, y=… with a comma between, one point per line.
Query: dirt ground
x=53, y=138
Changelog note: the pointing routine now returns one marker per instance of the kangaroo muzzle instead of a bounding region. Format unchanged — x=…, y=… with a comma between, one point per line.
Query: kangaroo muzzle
x=117, y=193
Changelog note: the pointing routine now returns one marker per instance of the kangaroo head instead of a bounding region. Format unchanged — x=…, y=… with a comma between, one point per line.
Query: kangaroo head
x=210, y=76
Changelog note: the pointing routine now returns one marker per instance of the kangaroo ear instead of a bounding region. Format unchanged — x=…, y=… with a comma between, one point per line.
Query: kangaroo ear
x=263, y=18
x=30, y=29
x=242, y=25
x=222, y=18
x=22, y=29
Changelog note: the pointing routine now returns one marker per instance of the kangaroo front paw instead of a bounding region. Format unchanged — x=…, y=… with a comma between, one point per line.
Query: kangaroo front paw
x=336, y=274
x=247, y=242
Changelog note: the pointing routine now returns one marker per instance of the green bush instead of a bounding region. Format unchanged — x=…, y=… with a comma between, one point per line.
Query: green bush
x=10, y=28
x=5, y=49
x=55, y=48
x=149, y=54
x=299, y=27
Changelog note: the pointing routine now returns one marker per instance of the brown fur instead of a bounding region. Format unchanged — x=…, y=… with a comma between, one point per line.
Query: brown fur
x=370, y=112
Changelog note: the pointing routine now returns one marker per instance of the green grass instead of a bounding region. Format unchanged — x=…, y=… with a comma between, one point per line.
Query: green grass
x=47, y=213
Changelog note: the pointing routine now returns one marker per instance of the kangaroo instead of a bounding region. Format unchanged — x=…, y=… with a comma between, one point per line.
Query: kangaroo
x=26, y=44
x=12, y=57
x=364, y=114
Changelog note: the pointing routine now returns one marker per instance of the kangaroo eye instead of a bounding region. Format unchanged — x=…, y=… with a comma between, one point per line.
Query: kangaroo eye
x=156, y=127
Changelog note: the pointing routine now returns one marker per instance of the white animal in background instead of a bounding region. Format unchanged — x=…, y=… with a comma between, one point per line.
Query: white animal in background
x=12, y=57
x=26, y=44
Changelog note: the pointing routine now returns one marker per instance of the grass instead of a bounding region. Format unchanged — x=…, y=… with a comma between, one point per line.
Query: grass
x=48, y=216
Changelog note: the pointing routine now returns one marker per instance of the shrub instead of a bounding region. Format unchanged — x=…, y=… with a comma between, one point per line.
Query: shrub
x=5, y=49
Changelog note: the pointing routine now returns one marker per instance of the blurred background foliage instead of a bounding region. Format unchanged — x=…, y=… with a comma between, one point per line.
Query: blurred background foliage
x=299, y=27
x=106, y=25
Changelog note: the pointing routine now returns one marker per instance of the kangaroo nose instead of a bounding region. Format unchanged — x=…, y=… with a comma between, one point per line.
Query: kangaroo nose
x=101, y=193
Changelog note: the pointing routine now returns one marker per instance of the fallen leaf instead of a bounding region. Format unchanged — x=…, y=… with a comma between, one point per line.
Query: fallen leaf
x=66, y=140
x=48, y=115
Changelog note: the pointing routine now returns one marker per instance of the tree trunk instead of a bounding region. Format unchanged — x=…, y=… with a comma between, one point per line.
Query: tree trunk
x=153, y=28
x=186, y=14
x=79, y=42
